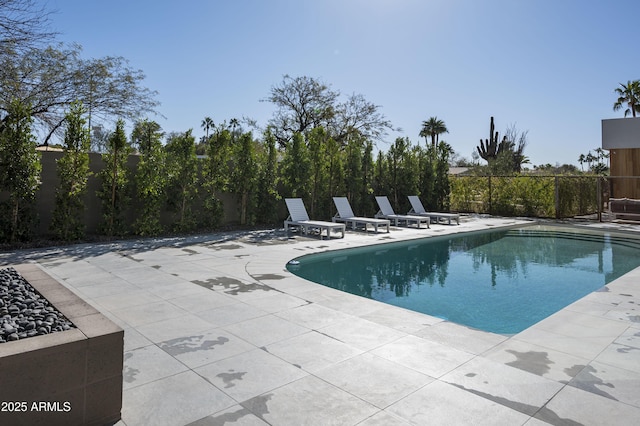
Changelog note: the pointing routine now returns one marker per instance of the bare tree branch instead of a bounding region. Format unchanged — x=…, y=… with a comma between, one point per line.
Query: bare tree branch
x=304, y=103
x=23, y=25
x=50, y=79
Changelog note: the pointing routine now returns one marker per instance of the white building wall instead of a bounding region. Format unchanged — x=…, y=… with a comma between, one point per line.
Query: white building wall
x=621, y=133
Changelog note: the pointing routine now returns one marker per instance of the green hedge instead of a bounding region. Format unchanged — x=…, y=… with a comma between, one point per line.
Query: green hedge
x=533, y=196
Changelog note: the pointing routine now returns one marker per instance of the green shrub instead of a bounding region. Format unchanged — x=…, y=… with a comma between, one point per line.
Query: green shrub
x=19, y=174
x=578, y=195
x=469, y=194
x=114, y=193
x=532, y=196
x=73, y=170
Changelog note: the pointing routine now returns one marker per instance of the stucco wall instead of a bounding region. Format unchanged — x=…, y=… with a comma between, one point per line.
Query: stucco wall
x=45, y=196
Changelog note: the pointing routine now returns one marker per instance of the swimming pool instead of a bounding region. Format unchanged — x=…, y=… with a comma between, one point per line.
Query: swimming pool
x=502, y=281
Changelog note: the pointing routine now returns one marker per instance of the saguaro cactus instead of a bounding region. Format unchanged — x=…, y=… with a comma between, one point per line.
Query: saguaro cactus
x=490, y=148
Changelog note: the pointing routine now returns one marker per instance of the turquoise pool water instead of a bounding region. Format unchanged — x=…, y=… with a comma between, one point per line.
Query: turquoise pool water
x=501, y=281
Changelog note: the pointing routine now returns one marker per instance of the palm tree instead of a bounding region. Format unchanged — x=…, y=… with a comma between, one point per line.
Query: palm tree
x=582, y=159
x=433, y=128
x=233, y=123
x=207, y=124
x=590, y=158
x=628, y=94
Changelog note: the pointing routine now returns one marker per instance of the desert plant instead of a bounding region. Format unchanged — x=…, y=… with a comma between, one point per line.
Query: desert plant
x=490, y=148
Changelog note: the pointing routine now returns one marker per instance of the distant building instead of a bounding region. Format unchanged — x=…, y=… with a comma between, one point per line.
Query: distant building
x=48, y=148
x=621, y=137
x=458, y=170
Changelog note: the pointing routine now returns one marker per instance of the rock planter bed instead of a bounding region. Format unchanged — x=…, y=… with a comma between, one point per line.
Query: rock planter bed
x=24, y=312
x=60, y=359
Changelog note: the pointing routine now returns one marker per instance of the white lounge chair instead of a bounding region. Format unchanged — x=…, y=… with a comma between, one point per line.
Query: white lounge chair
x=346, y=216
x=418, y=209
x=386, y=212
x=298, y=218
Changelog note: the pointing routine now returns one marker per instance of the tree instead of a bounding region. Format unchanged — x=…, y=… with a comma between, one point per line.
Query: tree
x=234, y=124
x=433, y=128
x=182, y=178
x=335, y=169
x=267, y=190
x=73, y=171
x=507, y=156
x=590, y=158
x=403, y=171
x=19, y=172
x=353, y=179
x=380, y=175
x=100, y=138
x=596, y=163
x=23, y=25
x=564, y=169
x=318, y=173
x=244, y=177
x=110, y=87
x=150, y=177
x=442, y=187
x=295, y=168
x=427, y=158
x=145, y=135
x=490, y=148
x=215, y=175
x=601, y=168
x=207, y=124
x=358, y=118
x=304, y=103
x=51, y=79
x=517, y=143
x=366, y=199
x=115, y=182
x=629, y=96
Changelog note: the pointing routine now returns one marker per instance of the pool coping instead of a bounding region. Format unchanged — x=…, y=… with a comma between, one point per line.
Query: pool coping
x=522, y=225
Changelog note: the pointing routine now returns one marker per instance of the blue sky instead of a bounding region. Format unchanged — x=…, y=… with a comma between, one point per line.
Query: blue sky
x=548, y=67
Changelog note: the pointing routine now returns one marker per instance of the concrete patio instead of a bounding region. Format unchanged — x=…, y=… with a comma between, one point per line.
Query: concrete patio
x=218, y=332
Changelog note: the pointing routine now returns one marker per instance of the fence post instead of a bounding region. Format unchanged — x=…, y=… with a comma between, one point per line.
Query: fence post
x=557, y=196
x=599, y=197
x=490, y=207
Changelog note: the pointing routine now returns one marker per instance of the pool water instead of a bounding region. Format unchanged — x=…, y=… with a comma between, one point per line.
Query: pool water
x=501, y=281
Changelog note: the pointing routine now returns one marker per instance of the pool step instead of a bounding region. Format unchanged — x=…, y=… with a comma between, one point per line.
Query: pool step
x=617, y=239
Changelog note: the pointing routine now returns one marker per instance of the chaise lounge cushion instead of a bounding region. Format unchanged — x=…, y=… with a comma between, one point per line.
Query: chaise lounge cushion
x=625, y=206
